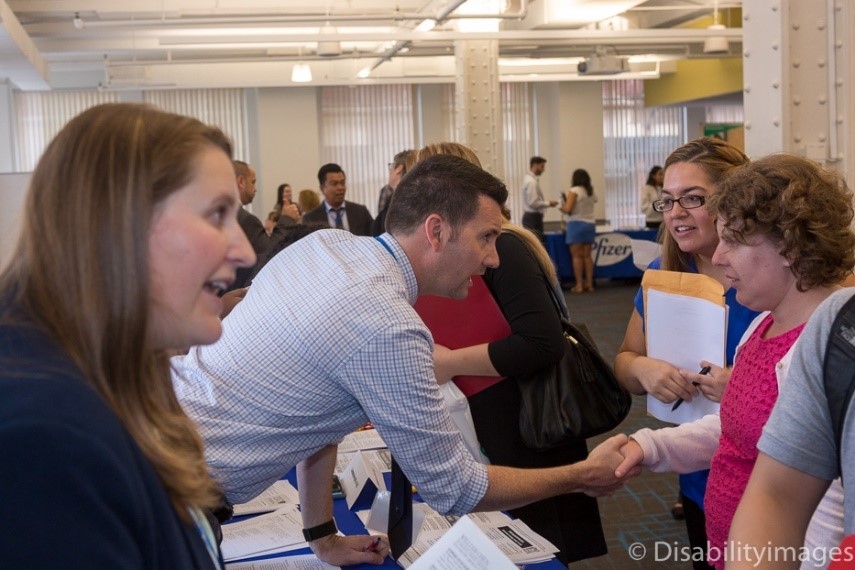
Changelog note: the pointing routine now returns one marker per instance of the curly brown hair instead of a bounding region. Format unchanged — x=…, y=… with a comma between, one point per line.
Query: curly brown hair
x=804, y=208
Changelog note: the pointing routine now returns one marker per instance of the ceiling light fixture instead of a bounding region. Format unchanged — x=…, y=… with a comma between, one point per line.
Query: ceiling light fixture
x=716, y=44
x=301, y=72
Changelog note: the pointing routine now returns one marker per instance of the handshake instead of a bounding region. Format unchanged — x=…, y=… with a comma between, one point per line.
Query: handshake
x=610, y=465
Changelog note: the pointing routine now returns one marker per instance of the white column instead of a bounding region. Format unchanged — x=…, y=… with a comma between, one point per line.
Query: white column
x=796, y=54
x=479, y=101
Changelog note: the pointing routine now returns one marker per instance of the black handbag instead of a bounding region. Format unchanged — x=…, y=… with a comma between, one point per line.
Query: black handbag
x=577, y=398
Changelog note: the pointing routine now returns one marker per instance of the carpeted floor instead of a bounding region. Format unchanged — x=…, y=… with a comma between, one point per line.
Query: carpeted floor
x=641, y=512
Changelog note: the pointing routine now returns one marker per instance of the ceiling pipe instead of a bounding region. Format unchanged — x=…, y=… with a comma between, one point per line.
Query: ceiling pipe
x=180, y=22
x=440, y=17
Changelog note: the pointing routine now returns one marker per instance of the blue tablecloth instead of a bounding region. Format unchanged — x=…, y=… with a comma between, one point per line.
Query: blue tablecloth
x=612, y=254
x=348, y=523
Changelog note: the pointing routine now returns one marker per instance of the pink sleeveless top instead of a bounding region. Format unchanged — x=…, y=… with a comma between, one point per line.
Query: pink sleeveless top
x=745, y=407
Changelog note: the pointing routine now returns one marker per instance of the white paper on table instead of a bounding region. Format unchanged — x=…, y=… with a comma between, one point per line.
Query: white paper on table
x=279, y=494
x=463, y=547
x=513, y=537
x=643, y=252
x=361, y=440
x=376, y=520
x=377, y=462
x=281, y=528
x=683, y=330
x=301, y=562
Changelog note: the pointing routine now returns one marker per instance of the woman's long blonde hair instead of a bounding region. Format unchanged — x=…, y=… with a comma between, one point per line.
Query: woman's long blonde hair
x=80, y=271
x=534, y=244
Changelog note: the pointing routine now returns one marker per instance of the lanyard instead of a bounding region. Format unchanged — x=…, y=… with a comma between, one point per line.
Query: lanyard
x=386, y=245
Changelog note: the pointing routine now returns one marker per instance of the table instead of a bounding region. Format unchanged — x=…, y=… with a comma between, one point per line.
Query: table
x=348, y=523
x=612, y=254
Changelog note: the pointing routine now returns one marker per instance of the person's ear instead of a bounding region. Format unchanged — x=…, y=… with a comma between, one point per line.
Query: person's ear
x=435, y=230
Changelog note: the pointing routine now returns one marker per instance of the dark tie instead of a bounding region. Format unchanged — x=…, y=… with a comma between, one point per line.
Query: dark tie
x=400, y=529
x=339, y=224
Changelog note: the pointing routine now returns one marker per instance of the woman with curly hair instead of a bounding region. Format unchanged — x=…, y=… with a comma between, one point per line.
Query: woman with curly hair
x=785, y=244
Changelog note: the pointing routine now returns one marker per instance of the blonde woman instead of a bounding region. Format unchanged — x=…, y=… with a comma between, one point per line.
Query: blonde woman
x=129, y=235
x=520, y=285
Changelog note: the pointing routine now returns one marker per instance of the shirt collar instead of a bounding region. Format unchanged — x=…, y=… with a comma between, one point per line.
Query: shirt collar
x=329, y=208
x=404, y=265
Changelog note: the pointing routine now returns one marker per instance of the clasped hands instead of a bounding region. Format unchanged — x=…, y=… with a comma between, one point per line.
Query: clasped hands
x=610, y=467
x=667, y=383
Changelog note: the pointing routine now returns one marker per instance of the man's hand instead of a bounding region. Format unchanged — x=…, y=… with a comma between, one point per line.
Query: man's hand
x=603, y=463
x=553, y=203
x=348, y=550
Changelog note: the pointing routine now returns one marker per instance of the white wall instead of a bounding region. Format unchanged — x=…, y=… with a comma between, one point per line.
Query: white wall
x=289, y=143
x=570, y=128
x=13, y=190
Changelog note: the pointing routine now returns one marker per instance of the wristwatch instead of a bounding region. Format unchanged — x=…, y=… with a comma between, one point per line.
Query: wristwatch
x=320, y=531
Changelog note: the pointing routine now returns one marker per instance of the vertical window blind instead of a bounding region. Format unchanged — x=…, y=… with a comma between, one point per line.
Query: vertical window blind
x=41, y=115
x=225, y=108
x=635, y=139
x=361, y=130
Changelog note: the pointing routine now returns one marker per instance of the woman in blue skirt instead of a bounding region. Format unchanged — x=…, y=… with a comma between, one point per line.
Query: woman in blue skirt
x=581, y=229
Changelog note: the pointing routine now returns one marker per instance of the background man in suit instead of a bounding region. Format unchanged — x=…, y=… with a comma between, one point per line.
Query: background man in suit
x=334, y=211
x=253, y=228
x=251, y=225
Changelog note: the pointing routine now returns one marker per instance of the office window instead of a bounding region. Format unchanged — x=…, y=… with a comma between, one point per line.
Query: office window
x=362, y=129
x=635, y=139
x=734, y=114
x=40, y=115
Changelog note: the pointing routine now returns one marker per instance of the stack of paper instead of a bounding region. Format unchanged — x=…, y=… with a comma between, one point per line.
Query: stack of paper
x=464, y=547
x=301, y=562
x=512, y=537
x=685, y=319
x=279, y=531
x=278, y=495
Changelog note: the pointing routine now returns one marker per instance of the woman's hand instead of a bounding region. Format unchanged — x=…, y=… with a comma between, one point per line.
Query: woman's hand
x=662, y=380
x=711, y=385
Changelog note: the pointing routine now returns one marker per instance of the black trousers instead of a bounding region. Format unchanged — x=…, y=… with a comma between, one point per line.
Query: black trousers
x=696, y=527
x=571, y=522
x=534, y=221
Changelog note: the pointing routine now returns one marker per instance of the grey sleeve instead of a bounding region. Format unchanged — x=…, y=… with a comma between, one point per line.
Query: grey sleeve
x=799, y=432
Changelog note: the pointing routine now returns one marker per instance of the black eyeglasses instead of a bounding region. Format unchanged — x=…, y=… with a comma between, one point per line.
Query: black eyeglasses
x=687, y=202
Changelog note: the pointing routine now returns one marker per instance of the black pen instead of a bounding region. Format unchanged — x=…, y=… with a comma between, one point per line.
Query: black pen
x=704, y=370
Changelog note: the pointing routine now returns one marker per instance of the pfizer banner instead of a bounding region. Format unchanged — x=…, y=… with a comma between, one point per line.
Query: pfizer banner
x=611, y=249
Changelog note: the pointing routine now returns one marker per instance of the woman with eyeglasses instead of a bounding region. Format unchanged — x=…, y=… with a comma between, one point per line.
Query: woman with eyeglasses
x=693, y=173
x=785, y=245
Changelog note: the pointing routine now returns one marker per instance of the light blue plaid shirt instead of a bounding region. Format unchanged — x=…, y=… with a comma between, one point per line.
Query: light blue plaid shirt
x=325, y=340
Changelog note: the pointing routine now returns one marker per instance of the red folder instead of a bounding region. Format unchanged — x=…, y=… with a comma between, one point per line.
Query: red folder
x=457, y=324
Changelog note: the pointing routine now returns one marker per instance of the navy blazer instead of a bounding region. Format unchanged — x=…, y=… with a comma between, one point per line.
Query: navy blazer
x=358, y=217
